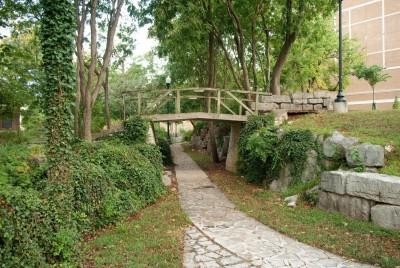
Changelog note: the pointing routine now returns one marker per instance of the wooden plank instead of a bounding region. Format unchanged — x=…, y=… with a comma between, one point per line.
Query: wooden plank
x=240, y=102
x=178, y=102
x=218, y=101
x=158, y=101
x=196, y=116
x=226, y=107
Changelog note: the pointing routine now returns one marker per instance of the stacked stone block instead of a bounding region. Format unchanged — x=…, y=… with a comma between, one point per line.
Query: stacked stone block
x=297, y=102
x=366, y=196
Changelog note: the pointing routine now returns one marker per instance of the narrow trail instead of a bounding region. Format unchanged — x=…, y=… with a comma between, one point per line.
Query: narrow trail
x=222, y=236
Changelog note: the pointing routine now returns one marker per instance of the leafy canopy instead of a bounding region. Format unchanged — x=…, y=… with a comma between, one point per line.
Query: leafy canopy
x=372, y=74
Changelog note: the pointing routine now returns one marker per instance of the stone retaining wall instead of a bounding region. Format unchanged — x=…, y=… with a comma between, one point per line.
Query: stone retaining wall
x=297, y=102
x=366, y=196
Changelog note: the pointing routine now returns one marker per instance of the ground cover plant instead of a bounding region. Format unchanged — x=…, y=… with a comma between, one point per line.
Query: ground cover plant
x=376, y=127
x=108, y=180
x=151, y=238
x=333, y=232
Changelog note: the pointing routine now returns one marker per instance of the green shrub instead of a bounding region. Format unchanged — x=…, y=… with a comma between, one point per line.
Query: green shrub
x=135, y=130
x=17, y=165
x=12, y=137
x=250, y=164
x=152, y=153
x=262, y=153
x=160, y=132
x=163, y=144
x=396, y=104
x=165, y=149
x=198, y=126
x=108, y=180
x=127, y=167
x=187, y=135
x=32, y=233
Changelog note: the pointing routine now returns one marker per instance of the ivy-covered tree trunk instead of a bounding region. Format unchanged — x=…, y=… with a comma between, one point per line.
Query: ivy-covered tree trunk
x=57, y=41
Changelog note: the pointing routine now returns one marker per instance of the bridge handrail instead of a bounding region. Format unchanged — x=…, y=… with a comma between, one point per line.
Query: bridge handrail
x=164, y=95
x=197, y=89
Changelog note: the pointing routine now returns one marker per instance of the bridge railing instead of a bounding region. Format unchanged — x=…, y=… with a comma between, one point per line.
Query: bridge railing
x=148, y=101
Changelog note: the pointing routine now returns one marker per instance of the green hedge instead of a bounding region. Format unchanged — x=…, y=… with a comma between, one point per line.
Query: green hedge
x=108, y=181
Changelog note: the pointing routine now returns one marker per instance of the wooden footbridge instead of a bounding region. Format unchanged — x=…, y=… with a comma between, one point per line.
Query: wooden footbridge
x=212, y=104
x=215, y=104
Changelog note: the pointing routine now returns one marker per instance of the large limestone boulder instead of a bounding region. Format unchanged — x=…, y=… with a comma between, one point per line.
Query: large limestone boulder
x=351, y=206
x=336, y=145
x=311, y=167
x=282, y=183
x=386, y=216
x=365, y=154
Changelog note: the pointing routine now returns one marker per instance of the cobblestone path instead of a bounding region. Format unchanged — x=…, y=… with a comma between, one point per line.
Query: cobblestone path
x=225, y=237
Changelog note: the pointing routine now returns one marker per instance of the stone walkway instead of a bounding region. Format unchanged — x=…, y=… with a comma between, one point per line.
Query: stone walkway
x=225, y=237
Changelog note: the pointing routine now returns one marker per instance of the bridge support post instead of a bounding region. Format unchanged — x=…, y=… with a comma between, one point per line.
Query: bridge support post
x=233, y=151
x=151, y=137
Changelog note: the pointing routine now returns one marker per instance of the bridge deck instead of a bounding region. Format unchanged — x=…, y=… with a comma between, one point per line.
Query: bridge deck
x=197, y=116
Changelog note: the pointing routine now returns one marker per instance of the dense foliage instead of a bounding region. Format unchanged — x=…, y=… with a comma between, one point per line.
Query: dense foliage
x=249, y=163
x=163, y=142
x=107, y=181
x=264, y=150
x=135, y=130
x=247, y=44
x=19, y=71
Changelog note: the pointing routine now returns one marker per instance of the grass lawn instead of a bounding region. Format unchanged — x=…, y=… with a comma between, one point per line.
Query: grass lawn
x=377, y=127
x=333, y=232
x=152, y=238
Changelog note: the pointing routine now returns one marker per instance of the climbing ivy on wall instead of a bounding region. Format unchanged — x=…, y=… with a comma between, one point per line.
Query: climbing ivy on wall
x=292, y=148
x=57, y=43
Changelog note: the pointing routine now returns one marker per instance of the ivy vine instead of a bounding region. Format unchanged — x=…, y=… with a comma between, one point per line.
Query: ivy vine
x=57, y=43
x=264, y=151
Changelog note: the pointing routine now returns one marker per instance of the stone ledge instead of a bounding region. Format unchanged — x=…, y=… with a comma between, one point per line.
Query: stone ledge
x=354, y=207
x=372, y=186
x=378, y=187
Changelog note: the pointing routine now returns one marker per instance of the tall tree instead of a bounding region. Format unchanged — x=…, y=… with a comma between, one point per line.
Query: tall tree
x=89, y=86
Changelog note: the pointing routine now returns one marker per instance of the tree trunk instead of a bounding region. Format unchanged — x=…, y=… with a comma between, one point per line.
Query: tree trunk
x=277, y=71
x=106, y=100
x=210, y=84
x=240, y=45
x=91, y=88
x=77, y=105
x=254, y=53
x=267, y=61
x=87, y=118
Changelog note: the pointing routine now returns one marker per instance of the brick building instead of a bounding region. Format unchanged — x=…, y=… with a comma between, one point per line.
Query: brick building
x=376, y=25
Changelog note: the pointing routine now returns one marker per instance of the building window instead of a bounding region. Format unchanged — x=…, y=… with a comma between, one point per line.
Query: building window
x=6, y=123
